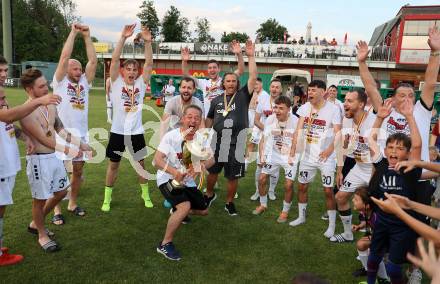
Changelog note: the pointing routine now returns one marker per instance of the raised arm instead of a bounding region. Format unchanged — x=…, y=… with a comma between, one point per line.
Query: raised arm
x=16, y=113
x=148, y=54
x=63, y=63
x=382, y=112
x=433, y=67
x=416, y=140
x=115, y=64
x=186, y=56
x=236, y=49
x=91, y=54
x=250, y=53
x=366, y=77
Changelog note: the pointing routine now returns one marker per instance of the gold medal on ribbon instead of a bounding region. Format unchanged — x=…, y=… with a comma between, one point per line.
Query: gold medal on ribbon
x=48, y=133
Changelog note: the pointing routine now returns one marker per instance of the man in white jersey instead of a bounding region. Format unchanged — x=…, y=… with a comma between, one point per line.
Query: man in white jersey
x=73, y=86
x=108, y=84
x=277, y=150
x=168, y=161
x=356, y=127
x=127, y=96
x=46, y=173
x=332, y=96
x=251, y=114
x=9, y=167
x=396, y=122
x=319, y=120
x=173, y=111
x=265, y=106
x=168, y=91
x=212, y=87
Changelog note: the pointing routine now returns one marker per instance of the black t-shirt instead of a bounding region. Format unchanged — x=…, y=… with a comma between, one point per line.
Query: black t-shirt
x=237, y=118
x=388, y=180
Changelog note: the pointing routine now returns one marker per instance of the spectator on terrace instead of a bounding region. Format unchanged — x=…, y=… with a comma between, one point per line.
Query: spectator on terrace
x=333, y=42
x=301, y=40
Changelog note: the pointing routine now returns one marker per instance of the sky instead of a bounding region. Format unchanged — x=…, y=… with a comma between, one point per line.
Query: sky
x=330, y=19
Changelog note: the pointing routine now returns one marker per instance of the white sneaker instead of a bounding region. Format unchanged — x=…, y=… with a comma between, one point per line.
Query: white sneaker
x=329, y=233
x=272, y=195
x=255, y=196
x=415, y=277
x=297, y=222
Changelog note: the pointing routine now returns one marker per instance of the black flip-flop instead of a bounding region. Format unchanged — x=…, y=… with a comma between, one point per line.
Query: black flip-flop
x=34, y=231
x=78, y=211
x=58, y=217
x=50, y=246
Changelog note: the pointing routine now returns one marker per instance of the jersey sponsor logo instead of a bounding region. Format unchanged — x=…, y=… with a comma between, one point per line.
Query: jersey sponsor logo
x=9, y=128
x=77, y=96
x=389, y=183
x=396, y=126
x=267, y=113
x=130, y=98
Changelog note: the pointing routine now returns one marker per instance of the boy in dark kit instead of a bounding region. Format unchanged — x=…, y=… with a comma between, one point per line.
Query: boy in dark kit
x=391, y=234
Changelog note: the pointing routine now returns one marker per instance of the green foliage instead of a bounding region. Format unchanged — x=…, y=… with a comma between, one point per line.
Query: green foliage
x=174, y=26
x=40, y=28
x=148, y=17
x=202, y=31
x=241, y=37
x=272, y=30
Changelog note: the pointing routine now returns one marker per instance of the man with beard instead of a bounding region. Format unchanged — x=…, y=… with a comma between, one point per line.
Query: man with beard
x=228, y=116
x=357, y=125
x=318, y=124
x=173, y=111
x=46, y=173
x=212, y=87
x=397, y=123
x=278, y=151
x=266, y=104
x=73, y=86
x=127, y=95
x=168, y=161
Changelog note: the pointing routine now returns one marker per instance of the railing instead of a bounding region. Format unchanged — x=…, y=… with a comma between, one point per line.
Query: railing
x=273, y=50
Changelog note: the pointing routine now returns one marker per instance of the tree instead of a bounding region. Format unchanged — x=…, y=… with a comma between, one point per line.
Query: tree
x=271, y=30
x=174, y=26
x=241, y=37
x=202, y=30
x=40, y=28
x=148, y=17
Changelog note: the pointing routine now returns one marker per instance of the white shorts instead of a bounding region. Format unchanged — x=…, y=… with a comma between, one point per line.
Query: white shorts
x=273, y=169
x=6, y=188
x=358, y=176
x=46, y=175
x=256, y=135
x=64, y=157
x=307, y=172
x=251, y=115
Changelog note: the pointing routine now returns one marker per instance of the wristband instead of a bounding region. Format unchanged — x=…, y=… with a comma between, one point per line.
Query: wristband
x=435, y=53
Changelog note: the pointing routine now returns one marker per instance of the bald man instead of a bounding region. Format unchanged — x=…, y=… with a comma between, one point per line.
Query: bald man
x=73, y=86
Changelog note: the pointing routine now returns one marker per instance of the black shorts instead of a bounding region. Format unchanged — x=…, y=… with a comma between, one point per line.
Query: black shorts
x=117, y=142
x=191, y=194
x=394, y=239
x=233, y=169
